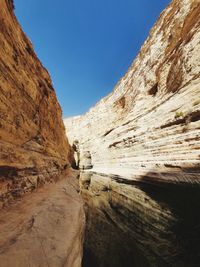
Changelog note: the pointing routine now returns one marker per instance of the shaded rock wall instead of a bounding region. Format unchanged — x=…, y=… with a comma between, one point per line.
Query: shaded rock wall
x=33, y=145
x=149, y=126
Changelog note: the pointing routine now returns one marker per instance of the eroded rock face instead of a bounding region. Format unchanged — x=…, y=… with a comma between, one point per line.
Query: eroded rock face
x=46, y=227
x=33, y=146
x=148, y=128
x=144, y=140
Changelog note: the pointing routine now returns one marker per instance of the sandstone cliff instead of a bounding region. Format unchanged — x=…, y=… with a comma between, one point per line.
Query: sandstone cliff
x=37, y=229
x=33, y=146
x=148, y=128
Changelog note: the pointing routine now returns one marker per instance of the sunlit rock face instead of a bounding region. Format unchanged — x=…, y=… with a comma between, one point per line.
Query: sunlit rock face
x=144, y=142
x=36, y=229
x=33, y=146
x=148, y=128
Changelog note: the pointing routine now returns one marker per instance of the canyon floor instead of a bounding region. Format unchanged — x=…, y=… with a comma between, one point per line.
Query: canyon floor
x=44, y=228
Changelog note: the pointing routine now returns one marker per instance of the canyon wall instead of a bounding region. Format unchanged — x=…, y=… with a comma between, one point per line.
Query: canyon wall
x=141, y=146
x=44, y=227
x=33, y=145
x=148, y=128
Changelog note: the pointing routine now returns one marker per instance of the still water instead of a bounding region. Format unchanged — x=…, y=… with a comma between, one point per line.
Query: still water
x=131, y=224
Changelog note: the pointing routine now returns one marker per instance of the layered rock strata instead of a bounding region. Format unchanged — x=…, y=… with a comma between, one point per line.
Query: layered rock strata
x=144, y=142
x=44, y=228
x=33, y=146
x=148, y=128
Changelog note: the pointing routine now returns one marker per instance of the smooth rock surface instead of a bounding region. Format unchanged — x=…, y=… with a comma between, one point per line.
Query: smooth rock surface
x=45, y=228
x=148, y=128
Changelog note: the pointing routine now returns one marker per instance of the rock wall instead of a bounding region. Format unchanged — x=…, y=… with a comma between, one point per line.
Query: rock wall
x=33, y=146
x=148, y=128
x=46, y=227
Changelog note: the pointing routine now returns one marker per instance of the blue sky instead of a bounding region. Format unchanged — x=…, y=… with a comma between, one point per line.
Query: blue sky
x=86, y=45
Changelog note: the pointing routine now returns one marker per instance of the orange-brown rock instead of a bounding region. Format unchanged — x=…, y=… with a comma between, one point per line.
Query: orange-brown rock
x=37, y=229
x=33, y=146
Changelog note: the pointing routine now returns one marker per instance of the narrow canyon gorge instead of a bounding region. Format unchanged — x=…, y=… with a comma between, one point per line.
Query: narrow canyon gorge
x=125, y=189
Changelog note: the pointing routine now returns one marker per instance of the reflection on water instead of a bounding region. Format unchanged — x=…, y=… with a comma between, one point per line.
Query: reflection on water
x=139, y=225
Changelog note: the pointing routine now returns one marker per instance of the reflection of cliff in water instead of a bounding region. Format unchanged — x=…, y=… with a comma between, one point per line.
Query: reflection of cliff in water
x=137, y=224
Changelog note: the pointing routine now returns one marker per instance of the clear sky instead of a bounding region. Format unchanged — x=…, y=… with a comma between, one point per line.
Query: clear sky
x=86, y=45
